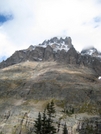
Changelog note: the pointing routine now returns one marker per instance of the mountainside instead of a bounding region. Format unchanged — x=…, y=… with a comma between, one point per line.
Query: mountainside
x=28, y=86
x=91, y=51
x=53, y=70
x=57, y=49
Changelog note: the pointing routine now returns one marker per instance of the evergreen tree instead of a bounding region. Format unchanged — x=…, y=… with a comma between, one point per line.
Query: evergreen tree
x=38, y=124
x=65, y=131
x=58, y=126
x=50, y=109
x=44, y=124
x=50, y=129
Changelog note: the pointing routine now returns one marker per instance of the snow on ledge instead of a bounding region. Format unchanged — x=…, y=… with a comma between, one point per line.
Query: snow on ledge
x=99, y=77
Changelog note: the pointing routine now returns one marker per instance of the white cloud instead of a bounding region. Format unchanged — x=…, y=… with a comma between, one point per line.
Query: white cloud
x=37, y=20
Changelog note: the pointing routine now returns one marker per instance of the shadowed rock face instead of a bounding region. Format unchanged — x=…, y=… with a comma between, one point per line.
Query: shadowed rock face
x=57, y=49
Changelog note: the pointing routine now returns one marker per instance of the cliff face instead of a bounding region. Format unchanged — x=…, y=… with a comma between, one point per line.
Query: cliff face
x=57, y=49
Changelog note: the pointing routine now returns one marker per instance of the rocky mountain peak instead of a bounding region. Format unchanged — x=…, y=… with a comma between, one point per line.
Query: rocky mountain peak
x=57, y=49
x=91, y=51
x=58, y=43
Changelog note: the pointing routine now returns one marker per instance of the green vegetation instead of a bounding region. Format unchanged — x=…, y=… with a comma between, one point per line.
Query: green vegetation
x=38, y=124
x=45, y=124
x=68, y=112
x=65, y=131
x=88, y=108
x=60, y=103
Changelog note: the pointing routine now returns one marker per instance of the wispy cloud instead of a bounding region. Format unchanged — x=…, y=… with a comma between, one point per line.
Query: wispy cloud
x=36, y=20
x=97, y=19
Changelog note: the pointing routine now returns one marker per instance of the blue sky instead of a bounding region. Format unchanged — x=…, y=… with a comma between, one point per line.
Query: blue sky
x=4, y=18
x=30, y=22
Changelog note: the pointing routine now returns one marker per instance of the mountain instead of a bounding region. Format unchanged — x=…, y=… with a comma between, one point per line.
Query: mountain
x=57, y=49
x=91, y=51
x=26, y=88
x=53, y=70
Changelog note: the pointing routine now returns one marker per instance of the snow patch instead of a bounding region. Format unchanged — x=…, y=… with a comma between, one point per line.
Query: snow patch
x=56, y=43
x=24, y=51
x=39, y=59
x=90, y=52
x=56, y=46
x=99, y=77
x=44, y=46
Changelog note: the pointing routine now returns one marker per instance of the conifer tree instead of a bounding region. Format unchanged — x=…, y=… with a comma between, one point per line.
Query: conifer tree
x=44, y=124
x=58, y=126
x=50, y=109
x=38, y=125
x=65, y=131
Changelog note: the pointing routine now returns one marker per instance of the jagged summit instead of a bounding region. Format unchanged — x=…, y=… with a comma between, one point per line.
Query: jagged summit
x=57, y=49
x=56, y=43
x=91, y=51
